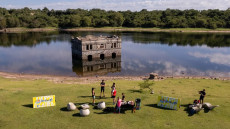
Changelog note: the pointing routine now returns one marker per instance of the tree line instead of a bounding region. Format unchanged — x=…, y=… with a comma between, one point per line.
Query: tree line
x=70, y=18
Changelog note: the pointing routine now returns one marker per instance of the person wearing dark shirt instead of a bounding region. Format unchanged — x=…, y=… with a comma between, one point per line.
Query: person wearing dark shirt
x=123, y=97
x=102, y=88
x=93, y=95
x=202, y=95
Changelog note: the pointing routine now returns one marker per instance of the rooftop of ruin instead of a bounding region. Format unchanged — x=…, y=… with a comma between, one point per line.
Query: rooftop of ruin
x=95, y=38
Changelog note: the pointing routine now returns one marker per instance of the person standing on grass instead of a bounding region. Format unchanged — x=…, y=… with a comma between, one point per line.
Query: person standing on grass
x=114, y=92
x=123, y=97
x=93, y=95
x=202, y=95
x=112, y=87
x=118, y=105
x=102, y=88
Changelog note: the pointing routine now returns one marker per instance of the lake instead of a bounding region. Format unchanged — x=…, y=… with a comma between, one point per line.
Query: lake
x=168, y=54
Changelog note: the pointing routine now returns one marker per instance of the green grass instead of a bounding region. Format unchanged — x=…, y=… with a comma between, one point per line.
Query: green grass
x=16, y=99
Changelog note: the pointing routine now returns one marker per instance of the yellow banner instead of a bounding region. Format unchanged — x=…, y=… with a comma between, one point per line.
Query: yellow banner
x=44, y=101
x=168, y=102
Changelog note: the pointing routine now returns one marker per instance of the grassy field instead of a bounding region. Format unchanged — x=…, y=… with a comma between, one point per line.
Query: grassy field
x=16, y=105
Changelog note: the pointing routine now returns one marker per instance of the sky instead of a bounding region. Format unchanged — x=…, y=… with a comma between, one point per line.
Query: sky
x=118, y=5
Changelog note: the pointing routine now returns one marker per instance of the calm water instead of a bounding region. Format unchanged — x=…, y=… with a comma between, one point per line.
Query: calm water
x=202, y=54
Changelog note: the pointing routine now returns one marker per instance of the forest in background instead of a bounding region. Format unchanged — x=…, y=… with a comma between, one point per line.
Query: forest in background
x=71, y=18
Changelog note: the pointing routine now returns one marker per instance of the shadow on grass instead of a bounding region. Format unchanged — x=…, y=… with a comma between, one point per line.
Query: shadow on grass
x=96, y=97
x=64, y=109
x=206, y=110
x=155, y=106
x=185, y=105
x=187, y=110
x=107, y=110
x=135, y=91
x=28, y=105
x=76, y=115
x=85, y=96
x=112, y=110
x=78, y=104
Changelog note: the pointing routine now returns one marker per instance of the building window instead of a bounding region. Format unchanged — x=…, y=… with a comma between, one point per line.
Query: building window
x=102, y=56
x=90, y=57
x=102, y=46
x=115, y=45
x=115, y=65
x=114, y=55
x=102, y=66
x=87, y=47
x=90, y=68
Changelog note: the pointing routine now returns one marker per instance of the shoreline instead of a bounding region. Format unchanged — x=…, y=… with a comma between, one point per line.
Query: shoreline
x=90, y=79
x=117, y=29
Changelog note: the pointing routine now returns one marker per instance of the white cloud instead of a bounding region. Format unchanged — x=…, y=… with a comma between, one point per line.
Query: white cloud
x=170, y=68
x=217, y=58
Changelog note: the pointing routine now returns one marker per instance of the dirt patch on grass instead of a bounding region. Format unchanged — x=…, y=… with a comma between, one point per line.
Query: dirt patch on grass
x=89, y=80
x=67, y=79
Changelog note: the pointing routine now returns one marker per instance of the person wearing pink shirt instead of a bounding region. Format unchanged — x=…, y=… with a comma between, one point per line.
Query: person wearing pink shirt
x=118, y=105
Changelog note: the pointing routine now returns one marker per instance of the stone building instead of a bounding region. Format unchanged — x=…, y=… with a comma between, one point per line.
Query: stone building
x=96, y=55
x=92, y=47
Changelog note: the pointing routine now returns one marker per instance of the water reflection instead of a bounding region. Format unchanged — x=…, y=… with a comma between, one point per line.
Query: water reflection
x=182, y=39
x=96, y=67
x=170, y=54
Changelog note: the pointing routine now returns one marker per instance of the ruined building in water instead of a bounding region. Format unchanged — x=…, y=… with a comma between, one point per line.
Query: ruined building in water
x=93, y=55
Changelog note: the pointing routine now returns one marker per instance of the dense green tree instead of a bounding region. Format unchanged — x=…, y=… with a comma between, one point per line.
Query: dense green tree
x=12, y=21
x=64, y=21
x=201, y=23
x=2, y=22
x=128, y=18
x=169, y=18
x=45, y=10
x=115, y=19
x=100, y=22
x=75, y=21
x=86, y=21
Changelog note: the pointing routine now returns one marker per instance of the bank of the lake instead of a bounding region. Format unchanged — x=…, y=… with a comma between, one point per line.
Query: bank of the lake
x=117, y=29
x=16, y=103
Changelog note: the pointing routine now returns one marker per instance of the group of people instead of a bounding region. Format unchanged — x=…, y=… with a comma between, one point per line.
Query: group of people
x=113, y=95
